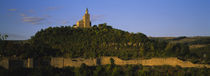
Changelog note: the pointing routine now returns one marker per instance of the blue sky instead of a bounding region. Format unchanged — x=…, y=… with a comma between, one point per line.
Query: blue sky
x=21, y=19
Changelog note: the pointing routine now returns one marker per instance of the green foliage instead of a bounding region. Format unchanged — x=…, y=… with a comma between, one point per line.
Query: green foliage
x=128, y=70
x=116, y=71
x=175, y=49
x=26, y=50
x=3, y=71
x=93, y=42
x=97, y=41
x=101, y=40
x=3, y=37
x=199, y=48
x=179, y=38
x=112, y=61
x=201, y=40
x=201, y=55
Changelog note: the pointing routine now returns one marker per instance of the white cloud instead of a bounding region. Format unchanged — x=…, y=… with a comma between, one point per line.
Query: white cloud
x=65, y=22
x=23, y=15
x=52, y=8
x=97, y=17
x=12, y=9
x=31, y=11
x=33, y=20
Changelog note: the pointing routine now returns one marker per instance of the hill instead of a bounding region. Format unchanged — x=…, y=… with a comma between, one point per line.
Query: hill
x=98, y=41
x=103, y=40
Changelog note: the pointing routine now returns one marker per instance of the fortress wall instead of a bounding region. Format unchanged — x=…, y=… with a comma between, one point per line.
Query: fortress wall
x=61, y=62
x=105, y=60
x=172, y=61
x=76, y=62
x=57, y=62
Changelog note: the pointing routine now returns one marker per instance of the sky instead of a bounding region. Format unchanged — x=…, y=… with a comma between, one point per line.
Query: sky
x=21, y=19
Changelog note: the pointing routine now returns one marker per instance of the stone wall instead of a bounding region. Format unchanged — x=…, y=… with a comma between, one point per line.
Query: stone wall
x=76, y=62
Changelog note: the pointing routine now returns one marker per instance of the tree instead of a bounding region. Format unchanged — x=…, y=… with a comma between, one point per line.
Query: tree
x=112, y=61
x=3, y=37
x=116, y=71
x=2, y=44
x=98, y=71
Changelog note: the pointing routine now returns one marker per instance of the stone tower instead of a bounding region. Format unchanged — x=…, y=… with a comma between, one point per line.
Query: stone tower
x=85, y=22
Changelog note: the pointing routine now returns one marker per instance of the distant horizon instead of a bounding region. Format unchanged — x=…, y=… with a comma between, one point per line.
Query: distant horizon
x=163, y=18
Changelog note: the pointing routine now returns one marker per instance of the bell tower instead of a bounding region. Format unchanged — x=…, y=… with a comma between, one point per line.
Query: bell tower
x=86, y=11
x=86, y=19
x=85, y=22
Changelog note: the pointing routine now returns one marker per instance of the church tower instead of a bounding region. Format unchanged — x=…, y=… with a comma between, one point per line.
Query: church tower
x=85, y=22
x=86, y=19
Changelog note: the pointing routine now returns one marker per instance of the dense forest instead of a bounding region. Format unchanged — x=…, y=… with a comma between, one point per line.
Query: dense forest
x=101, y=40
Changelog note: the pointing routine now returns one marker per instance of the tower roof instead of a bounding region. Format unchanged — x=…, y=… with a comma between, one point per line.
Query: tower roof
x=86, y=11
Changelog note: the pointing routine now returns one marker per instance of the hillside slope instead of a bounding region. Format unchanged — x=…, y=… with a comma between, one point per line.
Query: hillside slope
x=103, y=40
